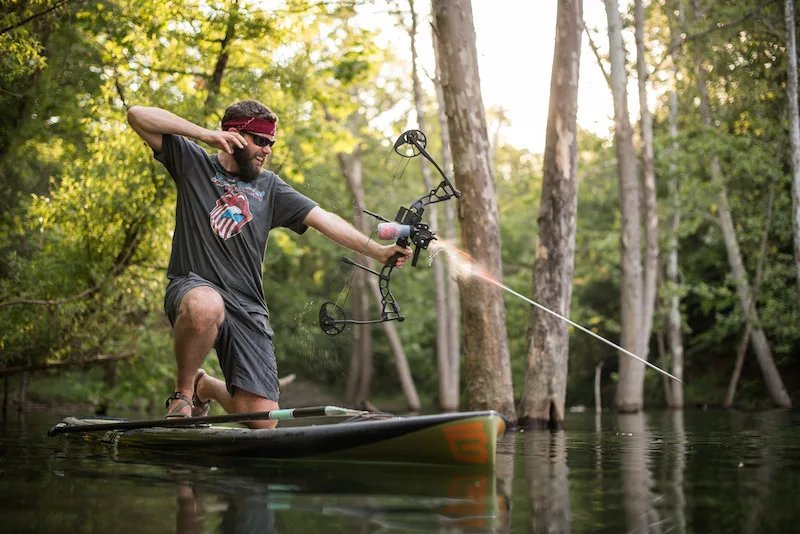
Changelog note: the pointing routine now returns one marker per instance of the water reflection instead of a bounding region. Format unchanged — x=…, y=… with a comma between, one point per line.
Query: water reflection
x=240, y=496
x=546, y=476
x=654, y=472
x=637, y=480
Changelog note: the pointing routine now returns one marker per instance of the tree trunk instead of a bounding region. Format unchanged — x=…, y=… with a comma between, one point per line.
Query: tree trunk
x=674, y=321
x=544, y=393
x=487, y=364
x=794, y=125
x=649, y=212
x=598, y=401
x=440, y=288
x=630, y=388
x=758, y=338
x=449, y=398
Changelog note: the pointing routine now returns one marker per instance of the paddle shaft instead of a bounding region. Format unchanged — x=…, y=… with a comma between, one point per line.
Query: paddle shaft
x=291, y=413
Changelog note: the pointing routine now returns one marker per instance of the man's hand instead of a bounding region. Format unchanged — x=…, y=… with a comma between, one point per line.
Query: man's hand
x=226, y=141
x=387, y=252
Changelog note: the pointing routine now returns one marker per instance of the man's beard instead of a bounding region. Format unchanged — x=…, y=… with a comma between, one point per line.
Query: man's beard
x=248, y=169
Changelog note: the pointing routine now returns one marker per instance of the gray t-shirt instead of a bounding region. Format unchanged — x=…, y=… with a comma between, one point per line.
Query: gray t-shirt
x=222, y=223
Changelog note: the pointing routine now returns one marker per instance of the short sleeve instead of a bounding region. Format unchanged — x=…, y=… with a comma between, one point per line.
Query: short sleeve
x=291, y=208
x=178, y=154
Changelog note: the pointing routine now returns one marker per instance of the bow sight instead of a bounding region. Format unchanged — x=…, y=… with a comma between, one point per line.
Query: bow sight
x=410, y=229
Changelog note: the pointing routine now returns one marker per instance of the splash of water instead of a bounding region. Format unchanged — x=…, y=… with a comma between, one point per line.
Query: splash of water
x=465, y=266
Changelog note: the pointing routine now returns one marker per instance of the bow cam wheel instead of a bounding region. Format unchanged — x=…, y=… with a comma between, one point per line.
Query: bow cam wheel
x=332, y=319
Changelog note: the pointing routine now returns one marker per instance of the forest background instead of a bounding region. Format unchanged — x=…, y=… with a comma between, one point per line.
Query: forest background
x=87, y=213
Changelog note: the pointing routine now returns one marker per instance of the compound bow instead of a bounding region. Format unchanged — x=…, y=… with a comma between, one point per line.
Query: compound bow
x=408, y=227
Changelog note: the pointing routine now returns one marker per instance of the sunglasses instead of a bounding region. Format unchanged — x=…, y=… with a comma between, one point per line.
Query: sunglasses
x=261, y=141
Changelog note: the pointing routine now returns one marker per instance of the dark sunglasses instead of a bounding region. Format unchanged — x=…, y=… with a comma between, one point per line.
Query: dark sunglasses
x=261, y=141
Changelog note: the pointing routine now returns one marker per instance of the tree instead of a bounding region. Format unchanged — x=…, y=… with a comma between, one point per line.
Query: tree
x=487, y=365
x=630, y=388
x=544, y=392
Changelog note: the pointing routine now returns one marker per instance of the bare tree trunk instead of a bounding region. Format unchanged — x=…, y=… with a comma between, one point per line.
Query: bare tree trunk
x=440, y=288
x=650, y=214
x=630, y=389
x=758, y=338
x=449, y=397
x=486, y=356
x=794, y=125
x=544, y=392
x=598, y=373
x=674, y=322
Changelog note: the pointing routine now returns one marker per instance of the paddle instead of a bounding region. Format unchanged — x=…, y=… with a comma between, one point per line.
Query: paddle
x=290, y=413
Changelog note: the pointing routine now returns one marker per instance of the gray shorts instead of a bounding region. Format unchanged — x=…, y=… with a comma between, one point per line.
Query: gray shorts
x=244, y=343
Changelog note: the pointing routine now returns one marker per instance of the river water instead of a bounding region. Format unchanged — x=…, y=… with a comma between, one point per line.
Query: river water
x=699, y=471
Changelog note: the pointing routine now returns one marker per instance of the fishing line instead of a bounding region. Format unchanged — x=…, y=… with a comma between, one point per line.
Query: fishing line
x=461, y=259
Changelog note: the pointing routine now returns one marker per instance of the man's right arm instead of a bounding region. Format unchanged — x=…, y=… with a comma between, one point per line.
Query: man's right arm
x=152, y=123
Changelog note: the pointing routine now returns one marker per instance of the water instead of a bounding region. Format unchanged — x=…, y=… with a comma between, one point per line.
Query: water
x=659, y=472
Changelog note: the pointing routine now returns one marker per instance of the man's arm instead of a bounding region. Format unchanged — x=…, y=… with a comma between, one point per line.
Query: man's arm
x=152, y=123
x=344, y=233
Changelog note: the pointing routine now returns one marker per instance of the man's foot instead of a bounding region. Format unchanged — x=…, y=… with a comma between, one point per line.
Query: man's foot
x=200, y=408
x=178, y=405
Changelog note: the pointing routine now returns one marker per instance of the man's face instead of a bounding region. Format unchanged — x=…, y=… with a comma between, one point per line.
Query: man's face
x=251, y=158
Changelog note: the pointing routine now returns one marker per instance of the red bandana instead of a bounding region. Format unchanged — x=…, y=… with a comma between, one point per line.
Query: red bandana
x=254, y=124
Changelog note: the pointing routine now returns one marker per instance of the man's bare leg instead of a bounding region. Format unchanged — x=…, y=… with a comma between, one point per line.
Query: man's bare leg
x=242, y=401
x=200, y=316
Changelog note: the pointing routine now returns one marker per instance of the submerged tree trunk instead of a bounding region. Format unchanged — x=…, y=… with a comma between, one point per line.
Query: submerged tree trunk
x=544, y=393
x=449, y=392
x=487, y=364
x=794, y=126
x=758, y=338
x=630, y=389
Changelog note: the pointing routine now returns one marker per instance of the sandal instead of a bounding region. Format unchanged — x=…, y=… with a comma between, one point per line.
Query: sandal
x=200, y=408
x=182, y=401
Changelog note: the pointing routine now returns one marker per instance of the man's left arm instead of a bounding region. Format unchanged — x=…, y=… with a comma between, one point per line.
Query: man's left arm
x=340, y=231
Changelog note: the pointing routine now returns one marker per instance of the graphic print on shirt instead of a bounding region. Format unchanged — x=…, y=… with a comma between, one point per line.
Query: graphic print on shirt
x=232, y=210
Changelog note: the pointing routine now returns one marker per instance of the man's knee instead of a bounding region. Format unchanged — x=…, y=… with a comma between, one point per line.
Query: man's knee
x=246, y=402
x=203, y=308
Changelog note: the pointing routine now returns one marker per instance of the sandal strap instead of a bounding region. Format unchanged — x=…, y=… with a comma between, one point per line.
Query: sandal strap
x=203, y=405
x=177, y=395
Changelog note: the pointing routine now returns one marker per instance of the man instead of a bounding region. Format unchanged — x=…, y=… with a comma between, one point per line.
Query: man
x=226, y=206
